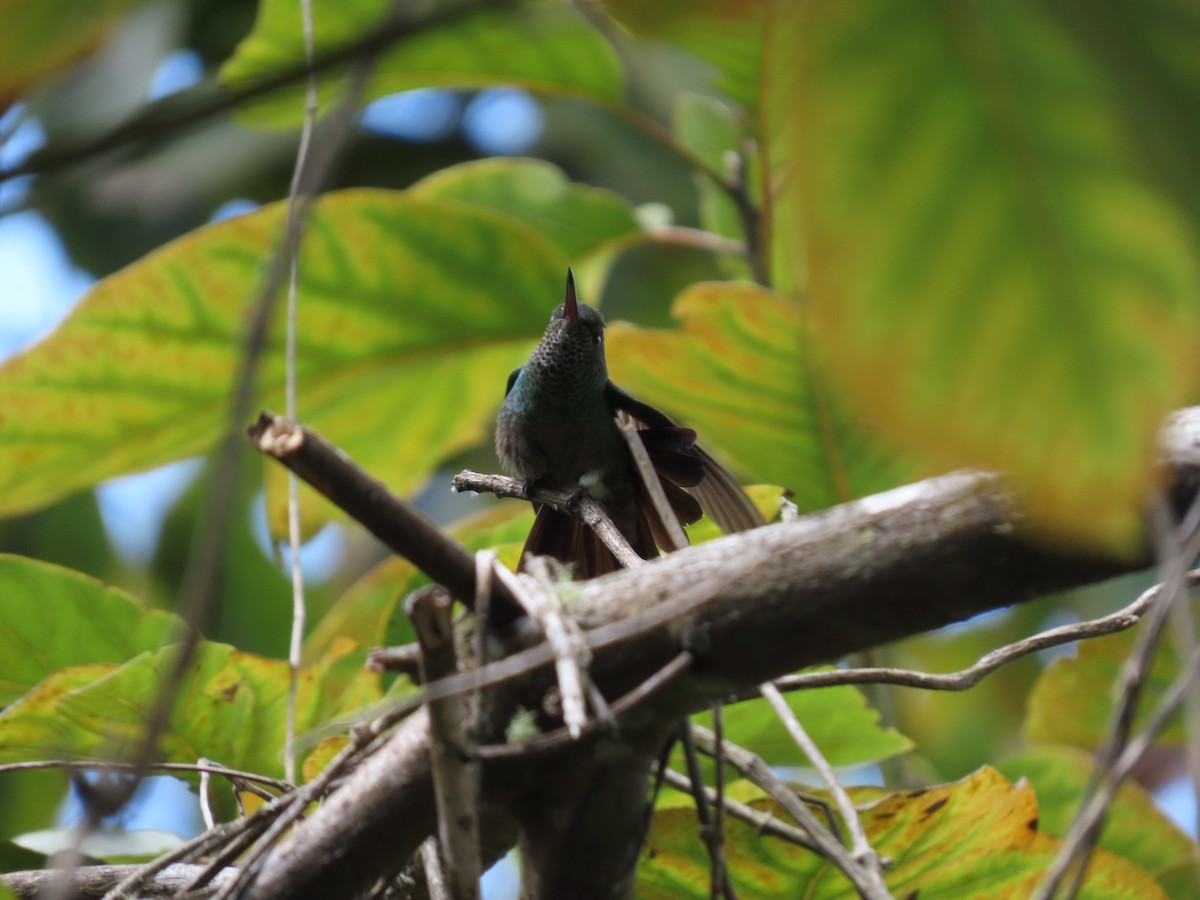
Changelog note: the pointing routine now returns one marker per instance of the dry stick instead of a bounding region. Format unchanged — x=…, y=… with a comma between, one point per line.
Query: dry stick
x=1121, y=620
x=456, y=778
x=206, y=813
x=718, y=875
x=1091, y=813
x=399, y=525
x=91, y=881
x=1184, y=633
x=587, y=509
x=199, y=845
x=829, y=846
x=649, y=477
x=561, y=736
x=404, y=660
x=720, y=872
x=199, y=582
x=864, y=854
x=231, y=851
x=752, y=767
x=299, y=612
x=435, y=872
x=1081, y=837
x=765, y=822
x=536, y=594
x=209, y=767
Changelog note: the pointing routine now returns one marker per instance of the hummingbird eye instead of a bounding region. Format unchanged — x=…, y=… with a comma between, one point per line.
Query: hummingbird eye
x=597, y=339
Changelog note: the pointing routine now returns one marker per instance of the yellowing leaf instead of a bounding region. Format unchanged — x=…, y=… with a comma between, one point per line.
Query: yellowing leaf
x=1136, y=827
x=993, y=279
x=412, y=312
x=738, y=372
x=231, y=708
x=975, y=838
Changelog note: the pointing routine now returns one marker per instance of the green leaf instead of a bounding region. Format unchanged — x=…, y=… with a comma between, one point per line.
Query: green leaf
x=52, y=618
x=231, y=707
x=738, y=372
x=412, y=312
x=542, y=46
x=1072, y=701
x=974, y=838
x=36, y=42
x=994, y=280
x=839, y=720
x=580, y=220
x=1136, y=828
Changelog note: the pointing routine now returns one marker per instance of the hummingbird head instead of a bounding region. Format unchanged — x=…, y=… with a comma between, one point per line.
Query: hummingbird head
x=571, y=352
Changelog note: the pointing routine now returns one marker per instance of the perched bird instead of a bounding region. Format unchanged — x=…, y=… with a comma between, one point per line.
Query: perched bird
x=557, y=428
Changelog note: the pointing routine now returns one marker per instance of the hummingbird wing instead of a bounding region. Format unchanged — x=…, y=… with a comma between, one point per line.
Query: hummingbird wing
x=715, y=488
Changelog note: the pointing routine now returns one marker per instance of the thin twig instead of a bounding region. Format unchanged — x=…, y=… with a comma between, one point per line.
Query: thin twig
x=1121, y=620
x=535, y=591
x=1085, y=828
x=765, y=822
x=434, y=871
x=719, y=885
x=590, y=511
x=299, y=612
x=652, y=484
x=860, y=847
x=826, y=841
x=720, y=872
x=561, y=736
x=211, y=767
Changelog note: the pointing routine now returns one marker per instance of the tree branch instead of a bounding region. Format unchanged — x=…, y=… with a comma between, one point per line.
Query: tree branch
x=749, y=607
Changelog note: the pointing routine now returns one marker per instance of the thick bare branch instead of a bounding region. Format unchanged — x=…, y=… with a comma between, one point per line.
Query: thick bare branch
x=749, y=607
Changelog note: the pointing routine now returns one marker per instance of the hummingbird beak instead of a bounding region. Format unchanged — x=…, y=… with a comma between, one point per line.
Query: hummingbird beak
x=571, y=306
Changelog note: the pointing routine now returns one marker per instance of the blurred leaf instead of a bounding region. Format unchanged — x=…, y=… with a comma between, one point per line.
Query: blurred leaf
x=541, y=46
x=1145, y=54
x=412, y=314
x=711, y=130
x=1072, y=701
x=993, y=281
x=52, y=618
x=1136, y=828
x=69, y=533
x=727, y=33
x=231, y=708
x=738, y=373
x=39, y=40
x=838, y=719
x=975, y=838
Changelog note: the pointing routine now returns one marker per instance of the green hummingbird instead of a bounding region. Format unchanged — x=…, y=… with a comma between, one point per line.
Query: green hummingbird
x=557, y=428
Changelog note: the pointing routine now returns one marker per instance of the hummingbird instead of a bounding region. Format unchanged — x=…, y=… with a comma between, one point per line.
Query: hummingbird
x=558, y=428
